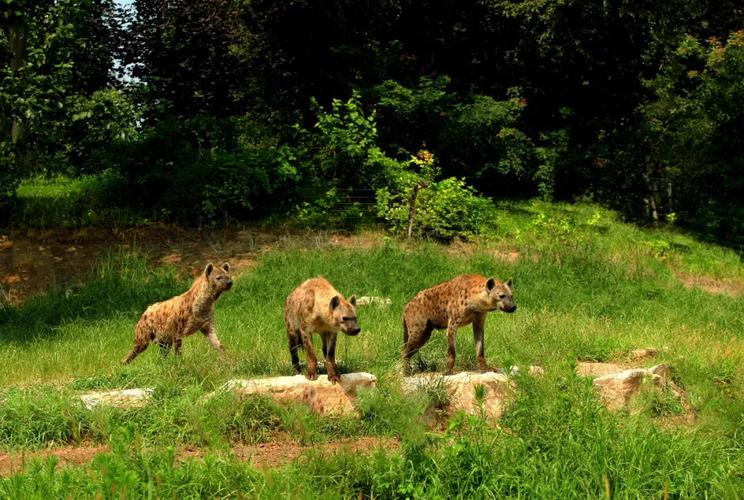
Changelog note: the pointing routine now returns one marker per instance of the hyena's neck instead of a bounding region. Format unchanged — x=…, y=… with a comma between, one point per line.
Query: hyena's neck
x=200, y=297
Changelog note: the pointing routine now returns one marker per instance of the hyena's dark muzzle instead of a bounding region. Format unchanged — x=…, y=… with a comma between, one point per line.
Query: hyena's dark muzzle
x=508, y=307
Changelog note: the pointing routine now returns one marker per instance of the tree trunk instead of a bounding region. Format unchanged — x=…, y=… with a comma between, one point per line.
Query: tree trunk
x=412, y=207
x=17, y=39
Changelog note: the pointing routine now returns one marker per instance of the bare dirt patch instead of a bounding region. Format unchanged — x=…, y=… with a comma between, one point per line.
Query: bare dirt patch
x=35, y=261
x=262, y=456
x=276, y=453
x=716, y=286
x=364, y=240
x=11, y=463
x=38, y=261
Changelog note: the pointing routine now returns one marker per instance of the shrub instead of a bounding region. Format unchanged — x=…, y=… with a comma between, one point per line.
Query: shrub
x=445, y=210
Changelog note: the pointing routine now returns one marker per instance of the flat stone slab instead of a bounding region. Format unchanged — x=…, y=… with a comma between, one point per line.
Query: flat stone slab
x=320, y=395
x=618, y=386
x=461, y=390
x=593, y=370
x=123, y=398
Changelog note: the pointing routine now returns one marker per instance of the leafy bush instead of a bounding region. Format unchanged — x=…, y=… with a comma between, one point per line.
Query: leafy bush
x=339, y=176
x=332, y=210
x=444, y=210
x=204, y=169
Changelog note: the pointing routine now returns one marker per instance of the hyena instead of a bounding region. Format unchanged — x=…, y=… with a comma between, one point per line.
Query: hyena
x=315, y=306
x=168, y=322
x=452, y=304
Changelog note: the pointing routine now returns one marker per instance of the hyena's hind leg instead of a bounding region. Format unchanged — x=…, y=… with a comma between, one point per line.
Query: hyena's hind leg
x=415, y=337
x=138, y=348
x=142, y=339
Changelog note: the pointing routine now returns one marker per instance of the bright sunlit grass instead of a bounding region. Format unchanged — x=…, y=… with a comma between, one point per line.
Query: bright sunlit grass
x=587, y=287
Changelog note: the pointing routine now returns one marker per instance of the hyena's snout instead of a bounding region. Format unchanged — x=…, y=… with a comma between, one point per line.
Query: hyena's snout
x=351, y=328
x=509, y=307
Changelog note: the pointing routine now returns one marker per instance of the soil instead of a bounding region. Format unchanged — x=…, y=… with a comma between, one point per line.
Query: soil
x=715, y=286
x=35, y=261
x=261, y=456
x=14, y=462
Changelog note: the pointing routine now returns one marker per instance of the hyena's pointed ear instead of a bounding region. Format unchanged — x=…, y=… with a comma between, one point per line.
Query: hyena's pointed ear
x=335, y=301
x=226, y=267
x=352, y=300
x=509, y=284
x=490, y=284
x=208, y=270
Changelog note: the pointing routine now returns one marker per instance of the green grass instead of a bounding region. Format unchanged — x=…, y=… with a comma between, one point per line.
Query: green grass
x=64, y=202
x=549, y=446
x=587, y=287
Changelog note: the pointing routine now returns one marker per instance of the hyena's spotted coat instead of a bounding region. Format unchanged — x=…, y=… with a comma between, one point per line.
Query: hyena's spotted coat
x=315, y=306
x=168, y=322
x=463, y=300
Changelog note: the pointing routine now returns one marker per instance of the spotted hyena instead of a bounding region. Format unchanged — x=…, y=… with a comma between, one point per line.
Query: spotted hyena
x=315, y=306
x=168, y=322
x=452, y=304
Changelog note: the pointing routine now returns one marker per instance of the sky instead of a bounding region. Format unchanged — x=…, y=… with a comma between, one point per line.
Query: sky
x=125, y=3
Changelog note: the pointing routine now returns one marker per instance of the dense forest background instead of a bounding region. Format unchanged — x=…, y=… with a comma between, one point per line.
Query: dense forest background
x=334, y=112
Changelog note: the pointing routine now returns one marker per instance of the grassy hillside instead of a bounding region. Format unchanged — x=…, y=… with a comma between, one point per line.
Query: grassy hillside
x=588, y=288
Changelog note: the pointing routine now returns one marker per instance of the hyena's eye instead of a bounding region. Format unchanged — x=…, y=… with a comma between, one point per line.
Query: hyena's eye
x=502, y=295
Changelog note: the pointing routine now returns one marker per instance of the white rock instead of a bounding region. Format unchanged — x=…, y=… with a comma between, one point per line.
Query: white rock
x=461, y=390
x=321, y=395
x=533, y=370
x=124, y=398
x=617, y=389
x=591, y=369
x=378, y=301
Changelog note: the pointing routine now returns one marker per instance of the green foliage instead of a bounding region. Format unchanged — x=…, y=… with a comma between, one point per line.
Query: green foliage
x=477, y=137
x=107, y=117
x=445, y=210
x=61, y=202
x=694, y=128
x=332, y=210
x=206, y=109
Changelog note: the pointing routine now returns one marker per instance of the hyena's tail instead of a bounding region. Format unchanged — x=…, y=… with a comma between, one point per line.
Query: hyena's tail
x=405, y=331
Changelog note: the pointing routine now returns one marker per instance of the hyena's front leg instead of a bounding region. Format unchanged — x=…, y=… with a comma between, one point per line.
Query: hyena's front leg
x=329, y=351
x=211, y=336
x=177, y=346
x=165, y=348
x=312, y=361
x=295, y=343
x=478, y=328
x=451, y=337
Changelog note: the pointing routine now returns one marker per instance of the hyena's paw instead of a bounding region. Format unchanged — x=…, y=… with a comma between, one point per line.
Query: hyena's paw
x=311, y=375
